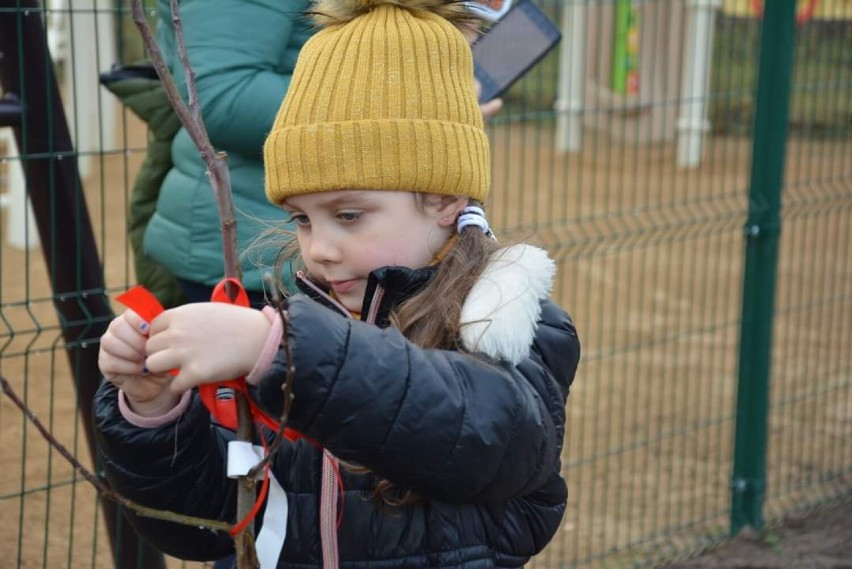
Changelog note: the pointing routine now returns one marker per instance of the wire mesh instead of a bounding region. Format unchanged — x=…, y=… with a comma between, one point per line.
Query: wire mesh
x=649, y=246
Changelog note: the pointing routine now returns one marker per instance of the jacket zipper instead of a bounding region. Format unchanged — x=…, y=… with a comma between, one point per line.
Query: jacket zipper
x=325, y=296
x=329, y=489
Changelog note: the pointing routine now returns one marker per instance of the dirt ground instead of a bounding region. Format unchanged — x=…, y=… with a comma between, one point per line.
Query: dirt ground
x=820, y=539
x=650, y=261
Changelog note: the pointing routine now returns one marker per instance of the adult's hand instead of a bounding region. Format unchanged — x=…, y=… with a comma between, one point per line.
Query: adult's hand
x=488, y=108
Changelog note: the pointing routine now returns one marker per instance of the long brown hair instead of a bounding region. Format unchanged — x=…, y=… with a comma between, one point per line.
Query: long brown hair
x=431, y=318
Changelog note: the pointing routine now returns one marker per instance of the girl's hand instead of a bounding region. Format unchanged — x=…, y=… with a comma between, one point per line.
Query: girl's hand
x=122, y=362
x=207, y=342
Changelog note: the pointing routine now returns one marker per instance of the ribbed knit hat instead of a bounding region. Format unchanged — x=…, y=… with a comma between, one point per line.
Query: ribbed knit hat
x=382, y=98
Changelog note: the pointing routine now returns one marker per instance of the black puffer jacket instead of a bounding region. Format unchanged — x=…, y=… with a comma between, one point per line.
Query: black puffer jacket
x=477, y=437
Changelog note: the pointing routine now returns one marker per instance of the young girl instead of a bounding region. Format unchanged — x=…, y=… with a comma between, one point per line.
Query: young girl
x=431, y=368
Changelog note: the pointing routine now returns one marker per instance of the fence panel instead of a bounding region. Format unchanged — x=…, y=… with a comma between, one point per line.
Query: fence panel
x=651, y=246
x=651, y=254
x=810, y=418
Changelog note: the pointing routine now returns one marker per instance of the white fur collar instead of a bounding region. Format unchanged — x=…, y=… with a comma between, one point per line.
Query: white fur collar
x=500, y=314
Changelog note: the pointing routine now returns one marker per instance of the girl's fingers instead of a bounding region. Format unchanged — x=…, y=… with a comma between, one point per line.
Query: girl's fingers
x=112, y=367
x=159, y=341
x=121, y=357
x=128, y=328
x=206, y=342
x=140, y=389
x=182, y=382
x=135, y=322
x=117, y=357
x=115, y=346
x=162, y=361
x=161, y=322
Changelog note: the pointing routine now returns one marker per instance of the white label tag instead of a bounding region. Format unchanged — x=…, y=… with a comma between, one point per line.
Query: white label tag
x=242, y=456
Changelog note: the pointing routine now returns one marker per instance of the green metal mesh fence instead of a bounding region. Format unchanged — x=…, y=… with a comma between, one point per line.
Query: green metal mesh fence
x=808, y=446
x=627, y=153
x=650, y=256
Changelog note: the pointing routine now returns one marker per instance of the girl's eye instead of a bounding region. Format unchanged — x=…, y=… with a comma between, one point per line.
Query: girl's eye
x=299, y=219
x=349, y=216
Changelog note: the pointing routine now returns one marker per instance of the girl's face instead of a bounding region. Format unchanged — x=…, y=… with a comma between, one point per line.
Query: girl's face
x=344, y=235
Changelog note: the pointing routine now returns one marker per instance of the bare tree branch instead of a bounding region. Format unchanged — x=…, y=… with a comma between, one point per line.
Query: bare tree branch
x=287, y=387
x=244, y=540
x=98, y=483
x=217, y=171
x=189, y=72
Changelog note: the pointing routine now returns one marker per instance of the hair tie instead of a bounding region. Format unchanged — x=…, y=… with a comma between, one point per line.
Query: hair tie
x=472, y=215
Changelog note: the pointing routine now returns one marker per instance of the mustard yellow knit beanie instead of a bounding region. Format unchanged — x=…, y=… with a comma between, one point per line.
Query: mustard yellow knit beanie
x=382, y=98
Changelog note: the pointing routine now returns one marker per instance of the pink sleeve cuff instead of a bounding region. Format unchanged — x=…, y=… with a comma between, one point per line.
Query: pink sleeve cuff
x=151, y=422
x=270, y=348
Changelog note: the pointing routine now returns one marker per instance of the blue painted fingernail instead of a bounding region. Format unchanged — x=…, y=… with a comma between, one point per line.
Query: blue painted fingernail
x=144, y=369
x=143, y=326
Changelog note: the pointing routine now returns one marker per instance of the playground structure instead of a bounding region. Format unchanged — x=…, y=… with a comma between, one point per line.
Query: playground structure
x=595, y=80
x=636, y=64
x=81, y=42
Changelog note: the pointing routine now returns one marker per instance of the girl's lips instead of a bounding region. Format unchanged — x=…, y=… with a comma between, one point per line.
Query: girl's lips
x=342, y=287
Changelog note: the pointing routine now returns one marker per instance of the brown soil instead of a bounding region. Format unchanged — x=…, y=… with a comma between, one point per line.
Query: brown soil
x=632, y=274
x=816, y=540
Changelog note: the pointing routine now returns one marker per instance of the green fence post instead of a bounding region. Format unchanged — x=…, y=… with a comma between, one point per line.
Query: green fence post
x=761, y=235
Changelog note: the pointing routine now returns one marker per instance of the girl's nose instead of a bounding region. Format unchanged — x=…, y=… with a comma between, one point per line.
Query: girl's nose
x=323, y=249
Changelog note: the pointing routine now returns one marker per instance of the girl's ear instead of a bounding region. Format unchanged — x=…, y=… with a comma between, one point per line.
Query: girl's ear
x=447, y=209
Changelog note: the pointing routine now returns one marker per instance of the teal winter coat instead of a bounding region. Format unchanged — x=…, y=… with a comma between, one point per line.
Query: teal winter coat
x=138, y=87
x=243, y=53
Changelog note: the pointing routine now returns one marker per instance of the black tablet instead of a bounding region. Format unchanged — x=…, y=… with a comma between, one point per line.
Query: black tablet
x=511, y=47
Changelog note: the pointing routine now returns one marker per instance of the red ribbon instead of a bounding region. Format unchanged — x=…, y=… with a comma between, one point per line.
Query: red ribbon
x=142, y=302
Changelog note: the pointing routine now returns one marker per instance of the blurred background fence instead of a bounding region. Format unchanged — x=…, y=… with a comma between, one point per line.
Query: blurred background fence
x=688, y=163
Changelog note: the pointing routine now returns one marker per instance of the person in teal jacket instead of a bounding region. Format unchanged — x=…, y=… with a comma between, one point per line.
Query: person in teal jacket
x=243, y=53
x=138, y=87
